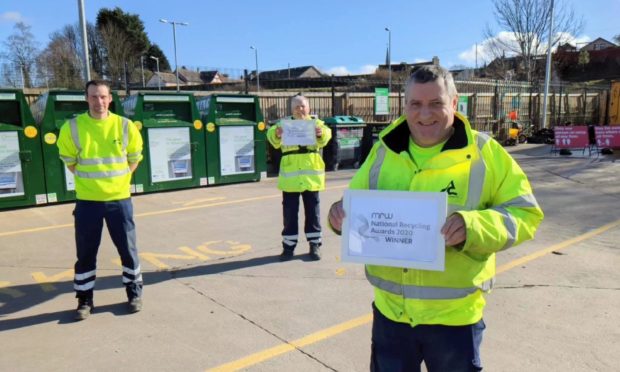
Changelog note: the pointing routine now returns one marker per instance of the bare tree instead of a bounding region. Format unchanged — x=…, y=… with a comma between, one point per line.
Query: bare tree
x=118, y=50
x=59, y=63
x=529, y=21
x=21, y=49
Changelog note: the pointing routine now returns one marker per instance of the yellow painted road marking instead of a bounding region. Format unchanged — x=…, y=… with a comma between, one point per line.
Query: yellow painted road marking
x=199, y=201
x=5, y=287
x=154, y=258
x=299, y=343
x=163, y=211
x=46, y=281
x=363, y=320
x=557, y=247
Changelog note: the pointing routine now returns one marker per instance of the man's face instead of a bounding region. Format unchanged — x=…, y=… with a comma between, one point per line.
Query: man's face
x=99, y=99
x=300, y=109
x=430, y=112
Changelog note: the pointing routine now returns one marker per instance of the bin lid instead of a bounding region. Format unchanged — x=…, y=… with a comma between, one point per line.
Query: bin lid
x=11, y=104
x=343, y=119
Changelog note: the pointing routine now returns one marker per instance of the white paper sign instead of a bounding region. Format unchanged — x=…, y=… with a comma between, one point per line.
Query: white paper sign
x=236, y=150
x=394, y=228
x=298, y=132
x=170, y=153
x=11, y=182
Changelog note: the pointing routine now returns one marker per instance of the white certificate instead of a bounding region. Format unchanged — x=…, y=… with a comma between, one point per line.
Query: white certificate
x=394, y=228
x=298, y=132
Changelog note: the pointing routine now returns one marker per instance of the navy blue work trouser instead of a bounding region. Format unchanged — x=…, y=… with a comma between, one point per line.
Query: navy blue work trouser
x=400, y=347
x=118, y=216
x=312, y=226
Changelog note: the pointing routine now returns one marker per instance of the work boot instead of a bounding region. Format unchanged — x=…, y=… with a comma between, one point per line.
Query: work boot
x=135, y=304
x=286, y=255
x=315, y=252
x=85, y=307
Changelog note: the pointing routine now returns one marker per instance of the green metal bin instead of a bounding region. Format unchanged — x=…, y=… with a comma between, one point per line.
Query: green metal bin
x=21, y=163
x=345, y=147
x=174, y=142
x=235, y=136
x=51, y=110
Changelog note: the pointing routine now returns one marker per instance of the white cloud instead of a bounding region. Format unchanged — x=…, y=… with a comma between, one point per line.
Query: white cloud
x=11, y=17
x=485, y=48
x=343, y=70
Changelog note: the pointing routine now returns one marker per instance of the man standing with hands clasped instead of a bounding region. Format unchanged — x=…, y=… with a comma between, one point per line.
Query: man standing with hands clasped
x=436, y=316
x=102, y=149
x=302, y=173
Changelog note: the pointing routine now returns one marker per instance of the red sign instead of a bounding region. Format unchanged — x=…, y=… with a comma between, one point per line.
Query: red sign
x=607, y=136
x=571, y=137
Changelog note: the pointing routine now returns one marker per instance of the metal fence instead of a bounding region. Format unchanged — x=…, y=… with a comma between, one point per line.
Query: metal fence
x=489, y=104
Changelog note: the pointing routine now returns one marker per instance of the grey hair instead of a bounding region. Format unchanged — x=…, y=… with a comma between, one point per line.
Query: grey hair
x=430, y=73
x=299, y=97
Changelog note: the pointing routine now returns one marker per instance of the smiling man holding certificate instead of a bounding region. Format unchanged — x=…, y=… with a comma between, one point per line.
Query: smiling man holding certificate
x=430, y=272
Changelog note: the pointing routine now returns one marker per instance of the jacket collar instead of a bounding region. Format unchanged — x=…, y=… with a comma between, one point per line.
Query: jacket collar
x=397, y=139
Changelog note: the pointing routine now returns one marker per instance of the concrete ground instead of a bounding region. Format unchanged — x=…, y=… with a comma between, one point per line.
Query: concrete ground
x=217, y=298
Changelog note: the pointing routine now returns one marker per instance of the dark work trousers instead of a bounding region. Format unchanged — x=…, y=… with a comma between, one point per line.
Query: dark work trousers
x=118, y=216
x=312, y=226
x=400, y=347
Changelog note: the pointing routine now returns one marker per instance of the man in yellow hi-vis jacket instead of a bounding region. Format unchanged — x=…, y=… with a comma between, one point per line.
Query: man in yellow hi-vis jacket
x=302, y=173
x=102, y=149
x=436, y=316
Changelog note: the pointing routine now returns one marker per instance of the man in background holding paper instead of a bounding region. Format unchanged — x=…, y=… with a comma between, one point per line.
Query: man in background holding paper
x=436, y=316
x=302, y=173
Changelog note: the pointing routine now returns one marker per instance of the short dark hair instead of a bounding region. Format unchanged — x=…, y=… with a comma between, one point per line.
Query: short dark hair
x=430, y=73
x=98, y=83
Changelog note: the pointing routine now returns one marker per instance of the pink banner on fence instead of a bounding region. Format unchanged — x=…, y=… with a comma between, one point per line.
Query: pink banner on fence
x=608, y=136
x=571, y=137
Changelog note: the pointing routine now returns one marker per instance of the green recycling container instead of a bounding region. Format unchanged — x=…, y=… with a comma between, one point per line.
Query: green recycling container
x=174, y=142
x=345, y=147
x=21, y=164
x=236, y=137
x=51, y=110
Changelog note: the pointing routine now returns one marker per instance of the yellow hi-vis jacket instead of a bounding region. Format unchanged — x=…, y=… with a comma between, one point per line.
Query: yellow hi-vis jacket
x=485, y=186
x=301, y=167
x=101, y=151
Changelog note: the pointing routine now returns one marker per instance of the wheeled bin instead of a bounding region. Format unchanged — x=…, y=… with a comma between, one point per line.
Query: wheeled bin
x=345, y=148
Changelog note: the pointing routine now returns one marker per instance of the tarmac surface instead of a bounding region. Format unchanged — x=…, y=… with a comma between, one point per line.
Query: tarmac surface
x=217, y=298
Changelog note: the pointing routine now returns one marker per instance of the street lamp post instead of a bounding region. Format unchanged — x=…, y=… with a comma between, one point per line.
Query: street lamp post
x=158, y=76
x=256, y=60
x=389, y=59
x=142, y=70
x=174, y=36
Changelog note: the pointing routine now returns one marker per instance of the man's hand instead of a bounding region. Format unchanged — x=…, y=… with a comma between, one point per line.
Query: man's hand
x=454, y=230
x=279, y=132
x=336, y=215
x=319, y=131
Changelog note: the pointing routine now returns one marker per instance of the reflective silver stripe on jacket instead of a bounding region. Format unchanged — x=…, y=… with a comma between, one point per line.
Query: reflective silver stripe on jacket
x=476, y=175
x=303, y=173
x=373, y=180
x=425, y=293
x=98, y=161
x=106, y=174
x=510, y=224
